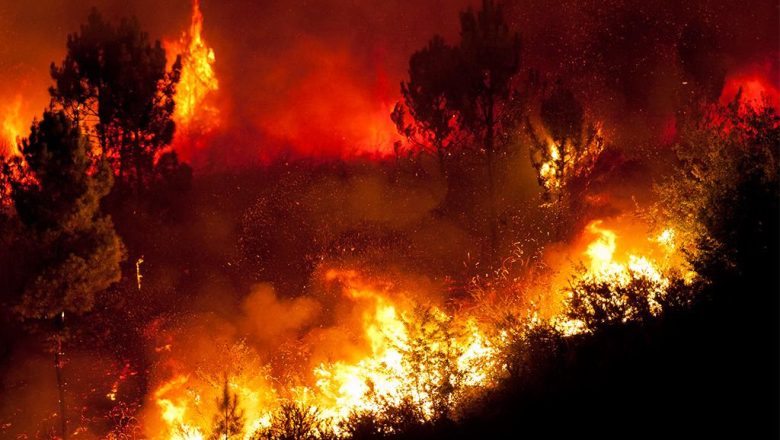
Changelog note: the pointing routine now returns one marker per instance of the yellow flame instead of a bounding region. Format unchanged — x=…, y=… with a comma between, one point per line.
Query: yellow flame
x=409, y=358
x=13, y=127
x=549, y=171
x=605, y=267
x=562, y=160
x=198, y=80
x=421, y=355
x=602, y=249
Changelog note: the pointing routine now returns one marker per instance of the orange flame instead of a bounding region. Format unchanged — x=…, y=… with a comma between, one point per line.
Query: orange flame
x=409, y=356
x=639, y=257
x=195, y=113
x=403, y=352
x=13, y=127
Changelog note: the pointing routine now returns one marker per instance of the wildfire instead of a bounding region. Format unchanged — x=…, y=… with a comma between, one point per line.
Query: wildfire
x=13, y=127
x=411, y=353
x=194, y=110
x=604, y=267
x=558, y=162
x=415, y=354
x=549, y=170
x=610, y=274
x=757, y=84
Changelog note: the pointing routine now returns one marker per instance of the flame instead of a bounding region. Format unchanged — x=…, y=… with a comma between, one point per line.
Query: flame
x=758, y=82
x=650, y=259
x=174, y=401
x=405, y=352
x=411, y=354
x=403, y=366
x=338, y=111
x=654, y=253
x=195, y=112
x=562, y=160
x=123, y=374
x=548, y=171
x=13, y=127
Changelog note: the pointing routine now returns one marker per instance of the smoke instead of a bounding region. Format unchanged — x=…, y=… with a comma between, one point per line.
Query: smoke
x=270, y=319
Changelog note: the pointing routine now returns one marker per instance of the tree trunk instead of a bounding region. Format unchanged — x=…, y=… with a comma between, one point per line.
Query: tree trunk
x=59, y=328
x=122, y=159
x=443, y=171
x=489, y=149
x=138, y=158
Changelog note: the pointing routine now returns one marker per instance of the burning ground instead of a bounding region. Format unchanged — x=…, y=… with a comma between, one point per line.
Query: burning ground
x=562, y=222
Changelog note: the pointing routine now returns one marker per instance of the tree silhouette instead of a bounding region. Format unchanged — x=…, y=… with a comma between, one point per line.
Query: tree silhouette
x=229, y=419
x=76, y=251
x=429, y=96
x=60, y=207
x=293, y=421
x=724, y=194
x=114, y=82
x=466, y=91
x=600, y=303
x=489, y=59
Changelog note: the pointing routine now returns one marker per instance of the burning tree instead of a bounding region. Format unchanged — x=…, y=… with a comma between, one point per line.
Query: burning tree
x=567, y=151
x=194, y=112
x=114, y=82
x=613, y=299
x=295, y=421
x=229, y=419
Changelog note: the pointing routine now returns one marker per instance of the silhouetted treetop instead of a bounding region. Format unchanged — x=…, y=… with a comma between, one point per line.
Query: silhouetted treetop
x=429, y=95
x=114, y=82
x=77, y=252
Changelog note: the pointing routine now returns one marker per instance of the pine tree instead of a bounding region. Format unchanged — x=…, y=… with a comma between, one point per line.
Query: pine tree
x=74, y=250
x=229, y=420
x=429, y=97
x=115, y=82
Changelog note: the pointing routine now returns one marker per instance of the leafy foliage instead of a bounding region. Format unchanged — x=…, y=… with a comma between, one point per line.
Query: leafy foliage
x=724, y=194
x=599, y=302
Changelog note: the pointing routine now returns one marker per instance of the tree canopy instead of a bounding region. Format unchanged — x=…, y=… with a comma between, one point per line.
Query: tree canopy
x=77, y=252
x=115, y=83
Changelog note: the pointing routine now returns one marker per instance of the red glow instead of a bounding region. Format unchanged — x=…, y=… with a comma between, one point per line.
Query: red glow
x=330, y=109
x=758, y=82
